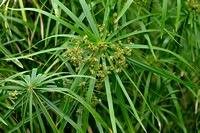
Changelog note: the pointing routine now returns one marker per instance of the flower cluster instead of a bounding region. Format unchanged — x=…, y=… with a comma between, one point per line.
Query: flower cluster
x=115, y=21
x=95, y=101
x=14, y=94
x=193, y=5
x=103, y=57
x=101, y=27
x=94, y=52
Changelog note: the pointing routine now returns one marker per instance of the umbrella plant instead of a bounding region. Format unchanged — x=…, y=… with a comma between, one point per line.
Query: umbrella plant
x=99, y=66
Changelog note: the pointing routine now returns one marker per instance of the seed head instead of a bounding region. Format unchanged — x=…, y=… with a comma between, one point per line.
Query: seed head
x=105, y=47
x=118, y=70
x=111, y=58
x=85, y=37
x=78, y=42
x=103, y=56
x=86, y=41
x=95, y=48
x=120, y=43
x=115, y=14
x=73, y=39
x=100, y=29
x=112, y=46
x=112, y=67
x=82, y=84
x=92, y=71
x=100, y=44
x=77, y=69
x=126, y=65
x=107, y=72
x=95, y=60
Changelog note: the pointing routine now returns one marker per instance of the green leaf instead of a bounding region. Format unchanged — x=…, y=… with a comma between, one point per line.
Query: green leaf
x=178, y=109
x=148, y=40
x=164, y=14
x=79, y=99
x=36, y=53
x=27, y=119
x=117, y=122
x=130, y=102
x=31, y=111
x=127, y=119
x=89, y=17
x=124, y=9
x=15, y=106
x=46, y=114
x=128, y=23
x=135, y=46
x=178, y=13
x=110, y=101
x=1, y=120
x=132, y=33
x=146, y=92
x=53, y=17
x=76, y=20
x=9, y=55
x=39, y=116
x=7, y=106
x=59, y=112
x=88, y=99
x=161, y=72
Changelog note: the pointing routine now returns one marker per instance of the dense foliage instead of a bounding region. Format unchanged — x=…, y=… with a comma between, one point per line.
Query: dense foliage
x=99, y=66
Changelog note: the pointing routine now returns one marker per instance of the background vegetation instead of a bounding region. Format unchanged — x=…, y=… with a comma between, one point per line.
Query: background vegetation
x=99, y=66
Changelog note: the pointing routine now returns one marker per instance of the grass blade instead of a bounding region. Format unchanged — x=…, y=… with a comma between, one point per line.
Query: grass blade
x=133, y=33
x=127, y=119
x=178, y=13
x=9, y=55
x=89, y=17
x=56, y=109
x=124, y=9
x=164, y=14
x=117, y=122
x=130, y=101
x=146, y=91
x=88, y=99
x=30, y=112
x=76, y=20
x=110, y=102
x=136, y=46
x=53, y=17
x=79, y=99
x=148, y=40
x=37, y=53
x=128, y=23
x=177, y=106
x=1, y=120
x=39, y=116
x=45, y=112
x=161, y=72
